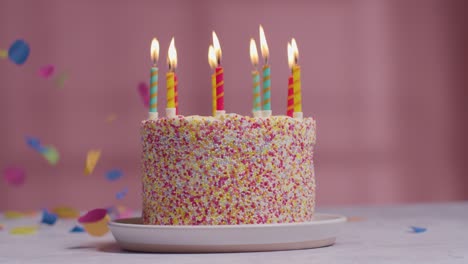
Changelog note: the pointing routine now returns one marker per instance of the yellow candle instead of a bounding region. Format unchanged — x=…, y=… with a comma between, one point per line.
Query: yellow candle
x=213, y=93
x=170, y=90
x=296, y=72
x=297, y=88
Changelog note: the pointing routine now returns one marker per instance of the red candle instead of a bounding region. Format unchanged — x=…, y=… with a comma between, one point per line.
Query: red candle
x=219, y=89
x=176, y=97
x=290, y=109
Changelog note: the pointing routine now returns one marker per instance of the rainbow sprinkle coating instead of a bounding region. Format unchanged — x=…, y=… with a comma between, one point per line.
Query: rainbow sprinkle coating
x=228, y=170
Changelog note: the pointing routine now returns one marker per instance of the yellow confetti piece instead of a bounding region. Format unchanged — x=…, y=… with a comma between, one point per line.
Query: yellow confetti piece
x=13, y=214
x=24, y=230
x=91, y=161
x=3, y=54
x=65, y=212
x=111, y=118
x=98, y=228
x=51, y=155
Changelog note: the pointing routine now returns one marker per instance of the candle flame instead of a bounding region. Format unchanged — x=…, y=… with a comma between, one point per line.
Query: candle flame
x=290, y=56
x=154, y=50
x=217, y=48
x=212, y=57
x=263, y=44
x=295, y=50
x=172, y=55
x=253, y=53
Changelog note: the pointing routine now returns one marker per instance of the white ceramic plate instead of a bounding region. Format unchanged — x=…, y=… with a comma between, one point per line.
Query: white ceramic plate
x=132, y=235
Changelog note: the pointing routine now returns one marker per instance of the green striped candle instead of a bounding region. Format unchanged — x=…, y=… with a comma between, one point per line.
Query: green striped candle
x=266, y=88
x=154, y=90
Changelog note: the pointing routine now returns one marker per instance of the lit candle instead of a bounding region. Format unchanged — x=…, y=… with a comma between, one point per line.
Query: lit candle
x=266, y=75
x=296, y=70
x=219, y=77
x=172, y=62
x=257, y=104
x=153, y=110
x=212, y=62
x=290, y=100
x=176, y=94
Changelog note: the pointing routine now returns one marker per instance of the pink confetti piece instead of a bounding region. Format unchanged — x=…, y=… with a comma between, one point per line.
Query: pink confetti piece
x=93, y=216
x=14, y=176
x=143, y=90
x=47, y=71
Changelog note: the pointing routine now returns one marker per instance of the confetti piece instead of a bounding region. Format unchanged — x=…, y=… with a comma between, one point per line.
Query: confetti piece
x=91, y=160
x=48, y=218
x=35, y=144
x=51, y=155
x=143, y=90
x=120, y=195
x=415, y=229
x=2, y=226
x=61, y=80
x=65, y=212
x=114, y=174
x=77, y=229
x=111, y=118
x=24, y=230
x=19, y=52
x=46, y=71
x=355, y=219
x=124, y=212
x=14, y=176
x=12, y=214
x=3, y=54
x=95, y=222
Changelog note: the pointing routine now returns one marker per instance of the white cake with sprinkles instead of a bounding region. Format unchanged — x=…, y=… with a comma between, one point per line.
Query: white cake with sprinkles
x=228, y=170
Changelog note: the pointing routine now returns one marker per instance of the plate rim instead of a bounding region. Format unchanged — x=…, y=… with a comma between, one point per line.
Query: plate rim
x=334, y=219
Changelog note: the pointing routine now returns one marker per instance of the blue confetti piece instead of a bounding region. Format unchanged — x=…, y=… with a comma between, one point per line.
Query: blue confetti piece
x=415, y=229
x=18, y=52
x=48, y=218
x=35, y=144
x=120, y=195
x=77, y=229
x=114, y=174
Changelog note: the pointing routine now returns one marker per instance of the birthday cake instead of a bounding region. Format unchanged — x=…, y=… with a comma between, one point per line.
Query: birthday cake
x=228, y=170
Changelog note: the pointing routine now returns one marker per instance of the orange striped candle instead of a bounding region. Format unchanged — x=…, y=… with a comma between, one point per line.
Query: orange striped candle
x=176, y=94
x=170, y=90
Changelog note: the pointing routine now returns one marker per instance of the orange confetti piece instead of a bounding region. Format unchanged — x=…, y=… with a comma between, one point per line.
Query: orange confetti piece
x=3, y=54
x=111, y=118
x=355, y=219
x=13, y=214
x=91, y=160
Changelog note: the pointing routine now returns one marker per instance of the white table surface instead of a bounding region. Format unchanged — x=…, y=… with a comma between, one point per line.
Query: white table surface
x=383, y=237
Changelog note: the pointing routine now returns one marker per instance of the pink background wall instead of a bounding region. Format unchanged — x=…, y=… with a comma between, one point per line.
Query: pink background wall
x=386, y=81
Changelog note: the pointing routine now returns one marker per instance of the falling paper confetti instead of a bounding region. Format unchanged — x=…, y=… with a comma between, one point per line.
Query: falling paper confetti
x=65, y=212
x=355, y=219
x=415, y=229
x=14, y=176
x=61, y=80
x=46, y=71
x=111, y=118
x=95, y=222
x=35, y=144
x=1, y=226
x=51, y=155
x=91, y=160
x=13, y=214
x=24, y=230
x=120, y=195
x=114, y=174
x=3, y=54
x=143, y=90
x=77, y=229
x=19, y=52
x=48, y=218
